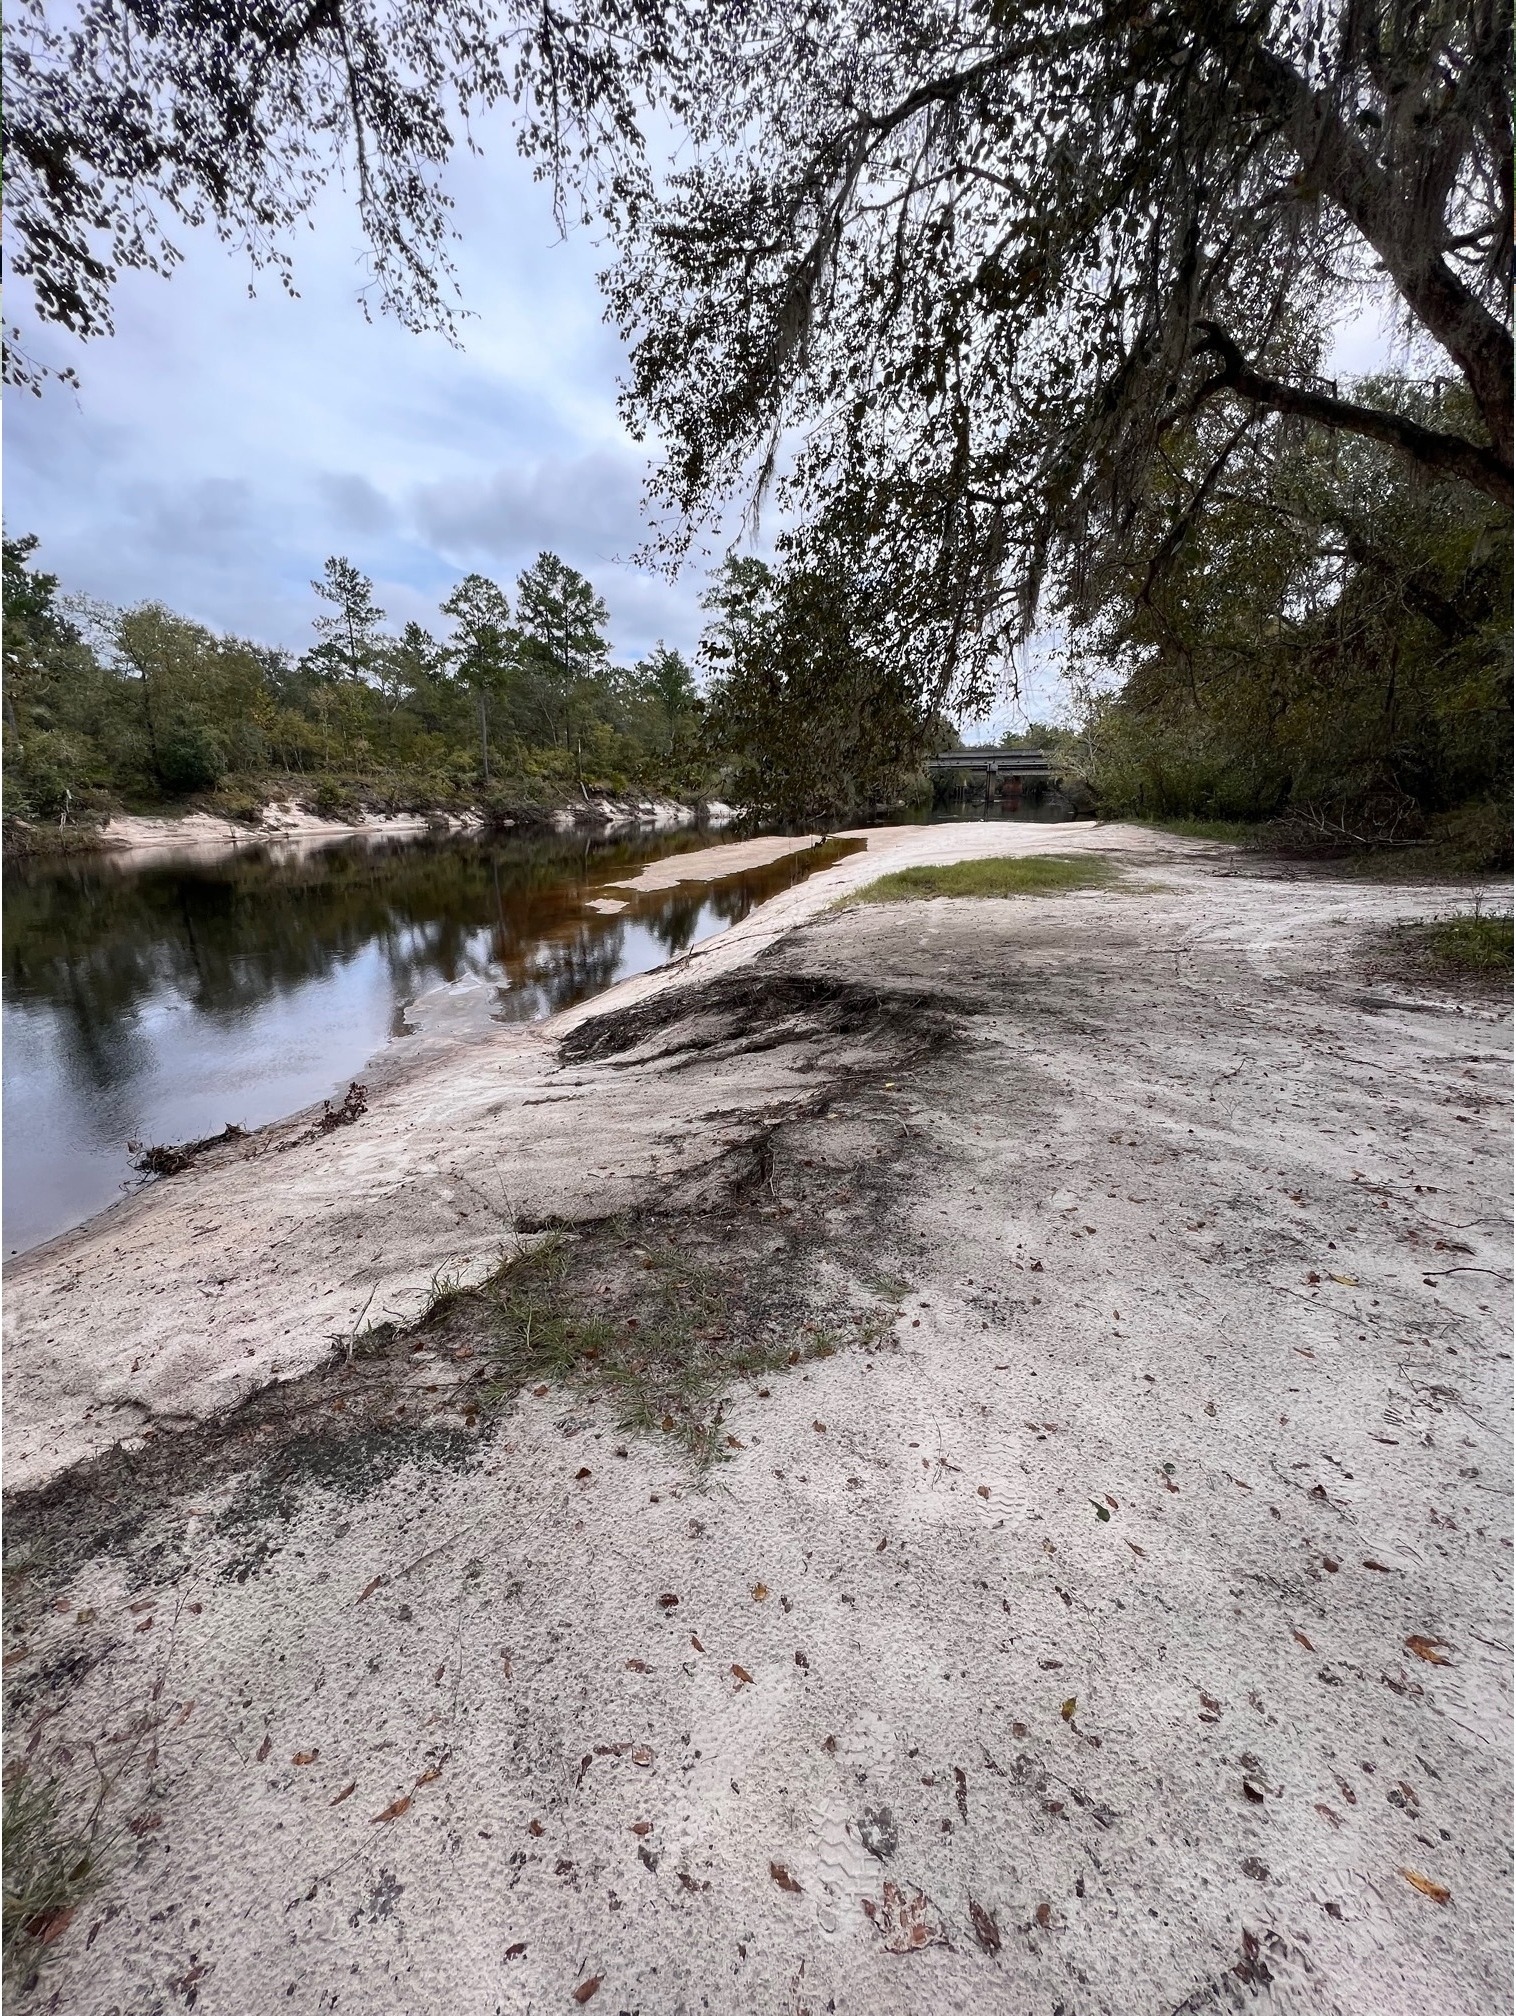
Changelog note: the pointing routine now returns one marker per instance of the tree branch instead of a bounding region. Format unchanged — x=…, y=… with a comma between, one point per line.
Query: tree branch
x=1444, y=454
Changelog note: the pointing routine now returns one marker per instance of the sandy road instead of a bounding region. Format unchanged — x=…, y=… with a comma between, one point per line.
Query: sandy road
x=1132, y=1627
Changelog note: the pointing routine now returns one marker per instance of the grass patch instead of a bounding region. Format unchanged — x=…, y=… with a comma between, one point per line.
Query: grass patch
x=1235, y=832
x=661, y=1331
x=52, y=1866
x=1002, y=875
x=1458, y=945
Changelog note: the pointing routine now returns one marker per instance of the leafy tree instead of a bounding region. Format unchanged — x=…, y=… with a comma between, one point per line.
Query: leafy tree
x=102, y=705
x=349, y=635
x=994, y=265
x=991, y=263
x=810, y=704
x=53, y=682
x=564, y=645
x=128, y=120
x=665, y=676
x=1334, y=642
x=482, y=648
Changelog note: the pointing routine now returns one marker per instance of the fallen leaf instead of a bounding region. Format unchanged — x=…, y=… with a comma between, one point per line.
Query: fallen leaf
x=430, y=1775
x=986, y=1931
x=1345, y=1280
x=733, y=1443
x=587, y=1988
x=375, y=1584
x=1251, y=1791
x=264, y=1749
x=515, y=1952
x=305, y=1756
x=641, y=1755
x=1100, y=1511
x=1301, y=1639
x=184, y=1714
x=668, y=1601
x=56, y=1924
x=1438, y=1892
x=906, y=1919
x=783, y=1878
x=819, y=1426
x=984, y=1490
x=506, y=1668
x=540, y=1391
x=1115, y=1507
x=742, y=1676
x=642, y=1827
x=1327, y=1814
x=636, y=1665
x=1140, y=1552
x=1044, y=1915
x=581, y=1473
x=393, y=1810
x=696, y=1643
x=346, y=1793
x=760, y=1590
x=536, y=1829
x=1429, y=1649
x=1378, y=1567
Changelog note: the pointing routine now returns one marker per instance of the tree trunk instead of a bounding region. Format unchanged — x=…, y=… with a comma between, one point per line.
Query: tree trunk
x=1335, y=162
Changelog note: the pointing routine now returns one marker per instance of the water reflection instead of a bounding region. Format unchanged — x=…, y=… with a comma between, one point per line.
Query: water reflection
x=158, y=1003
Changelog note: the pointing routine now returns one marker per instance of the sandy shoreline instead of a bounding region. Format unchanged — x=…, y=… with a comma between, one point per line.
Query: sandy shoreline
x=1127, y=1607
x=133, y=837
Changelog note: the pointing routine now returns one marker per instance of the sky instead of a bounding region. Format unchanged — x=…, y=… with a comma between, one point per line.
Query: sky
x=220, y=447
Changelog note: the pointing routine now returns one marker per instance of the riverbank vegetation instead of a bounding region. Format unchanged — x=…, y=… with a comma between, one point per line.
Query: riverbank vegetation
x=1005, y=875
x=1325, y=647
x=503, y=707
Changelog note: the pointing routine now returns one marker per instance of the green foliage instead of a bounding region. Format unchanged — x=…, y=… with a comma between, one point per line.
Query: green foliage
x=1324, y=637
x=1470, y=945
x=1002, y=875
x=811, y=702
x=140, y=707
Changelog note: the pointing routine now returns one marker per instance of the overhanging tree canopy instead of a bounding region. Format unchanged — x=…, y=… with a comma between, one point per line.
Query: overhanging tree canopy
x=973, y=265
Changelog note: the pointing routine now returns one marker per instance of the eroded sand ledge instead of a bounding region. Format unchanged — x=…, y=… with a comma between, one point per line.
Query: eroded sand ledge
x=1200, y=1228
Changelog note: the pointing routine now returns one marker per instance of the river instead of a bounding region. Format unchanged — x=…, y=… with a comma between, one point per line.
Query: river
x=151, y=1001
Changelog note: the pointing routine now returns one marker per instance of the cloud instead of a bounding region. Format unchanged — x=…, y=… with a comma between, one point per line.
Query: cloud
x=222, y=446
x=355, y=505
x=584, y=507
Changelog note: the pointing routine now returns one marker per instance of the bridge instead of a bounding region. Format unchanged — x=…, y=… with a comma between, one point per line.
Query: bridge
x=1022, y=763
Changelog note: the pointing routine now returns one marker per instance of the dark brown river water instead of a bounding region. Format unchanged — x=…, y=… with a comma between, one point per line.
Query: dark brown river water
x=156, y=1003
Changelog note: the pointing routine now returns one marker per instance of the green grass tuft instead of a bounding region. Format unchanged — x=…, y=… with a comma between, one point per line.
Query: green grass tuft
x=660, y=1334
x=1002, y=875
x=1235, y=832
x=1468, y=945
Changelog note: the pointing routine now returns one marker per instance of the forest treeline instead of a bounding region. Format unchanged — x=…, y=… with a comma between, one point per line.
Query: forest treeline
x=510, y=700
x=1320, y=641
